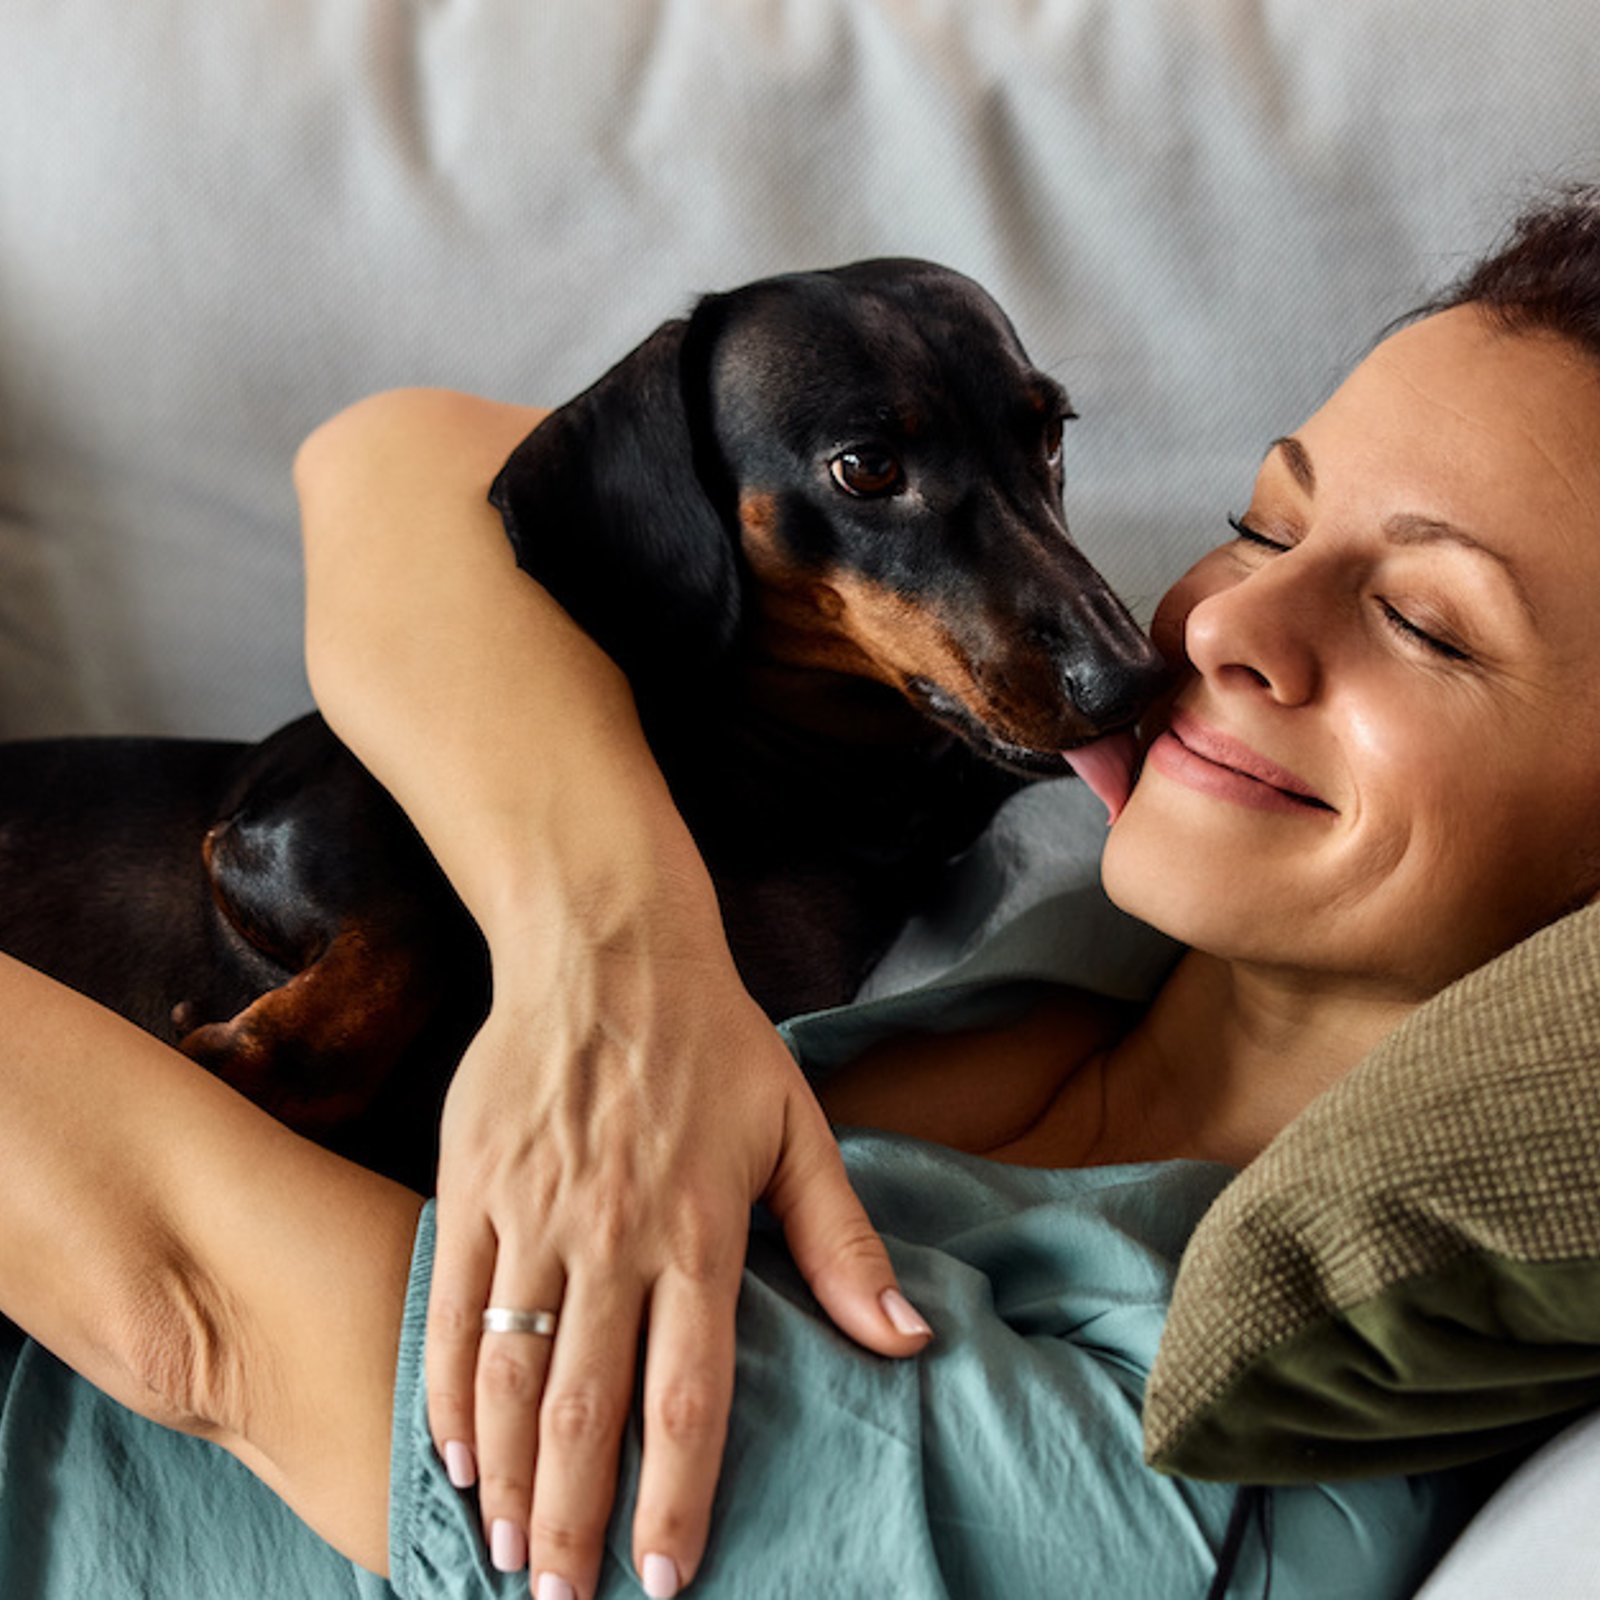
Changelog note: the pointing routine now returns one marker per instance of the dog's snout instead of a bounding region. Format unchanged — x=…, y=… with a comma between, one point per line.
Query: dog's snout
x=1112, y=696
x=1114, y=671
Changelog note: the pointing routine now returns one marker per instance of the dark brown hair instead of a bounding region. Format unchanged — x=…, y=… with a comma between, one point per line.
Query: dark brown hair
x=1544, y=276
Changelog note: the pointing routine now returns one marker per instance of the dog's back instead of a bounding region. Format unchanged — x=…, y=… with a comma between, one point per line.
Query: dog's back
x=102, y=884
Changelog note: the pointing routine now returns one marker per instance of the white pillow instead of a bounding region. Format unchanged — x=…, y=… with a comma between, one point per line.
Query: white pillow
x=1539, y=1534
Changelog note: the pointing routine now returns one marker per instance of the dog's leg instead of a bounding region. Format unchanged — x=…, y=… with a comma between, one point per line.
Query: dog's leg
x=316, y=1050
x=315, y=867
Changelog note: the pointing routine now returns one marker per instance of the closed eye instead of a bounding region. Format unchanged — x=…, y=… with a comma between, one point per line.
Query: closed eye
x=1397, y=620
x=1409, y=631
x=1254, y=536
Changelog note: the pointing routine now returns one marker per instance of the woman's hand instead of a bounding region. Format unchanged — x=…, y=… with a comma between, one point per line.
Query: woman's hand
x=603, y=1141
x=625, y=1101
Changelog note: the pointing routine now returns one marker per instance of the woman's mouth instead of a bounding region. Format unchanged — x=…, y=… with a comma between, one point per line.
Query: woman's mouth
x=1206, y=759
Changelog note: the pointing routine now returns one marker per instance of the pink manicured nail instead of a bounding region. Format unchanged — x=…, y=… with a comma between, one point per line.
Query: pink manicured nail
x=552, y=1588
x=660, y=1577
x=508, y=1545
x=902, y=1313
x=460, y=1465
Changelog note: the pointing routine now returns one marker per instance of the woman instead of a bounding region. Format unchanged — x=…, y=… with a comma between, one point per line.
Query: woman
x=1377, y=771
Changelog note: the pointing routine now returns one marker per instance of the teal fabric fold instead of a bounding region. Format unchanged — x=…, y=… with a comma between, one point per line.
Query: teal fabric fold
x=98, y=1504
x=1004, y=1461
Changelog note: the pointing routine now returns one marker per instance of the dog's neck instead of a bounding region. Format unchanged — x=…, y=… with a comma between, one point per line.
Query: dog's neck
x=837, y=708
x=781, y=763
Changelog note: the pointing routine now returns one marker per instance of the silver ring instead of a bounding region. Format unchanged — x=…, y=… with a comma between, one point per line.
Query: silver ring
x=502, y=1319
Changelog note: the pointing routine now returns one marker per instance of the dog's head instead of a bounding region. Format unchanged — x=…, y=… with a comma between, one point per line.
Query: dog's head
x=862, y=469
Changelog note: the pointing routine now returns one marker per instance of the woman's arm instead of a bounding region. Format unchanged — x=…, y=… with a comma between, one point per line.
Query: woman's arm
x=447, y=670
x=625, y=1101
x=197, y=1261
x=219, y=1274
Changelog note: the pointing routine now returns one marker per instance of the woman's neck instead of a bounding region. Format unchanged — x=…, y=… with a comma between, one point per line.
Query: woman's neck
x=1227, y=1055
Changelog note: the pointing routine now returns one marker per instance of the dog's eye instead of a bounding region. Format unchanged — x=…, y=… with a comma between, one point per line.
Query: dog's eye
x=866, y=472
x=1052, y=440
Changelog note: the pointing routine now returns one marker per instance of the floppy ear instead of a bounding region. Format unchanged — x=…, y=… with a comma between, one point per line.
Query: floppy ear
x=618, y=503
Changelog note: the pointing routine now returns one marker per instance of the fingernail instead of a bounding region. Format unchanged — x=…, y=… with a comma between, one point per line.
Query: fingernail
x=508, y=1545
x=459, y=1464
x=552, y=1588
x=902, y=1313
x=660, y=1577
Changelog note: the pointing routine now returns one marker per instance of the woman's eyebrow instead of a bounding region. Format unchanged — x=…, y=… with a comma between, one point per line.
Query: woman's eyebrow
x=1297, y=461
x=1407, y=527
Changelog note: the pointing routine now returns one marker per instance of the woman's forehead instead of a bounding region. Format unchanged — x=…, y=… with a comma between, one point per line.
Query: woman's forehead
x=1458, y=419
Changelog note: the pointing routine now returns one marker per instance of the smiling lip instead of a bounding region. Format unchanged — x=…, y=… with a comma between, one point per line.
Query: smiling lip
x=1202, y=758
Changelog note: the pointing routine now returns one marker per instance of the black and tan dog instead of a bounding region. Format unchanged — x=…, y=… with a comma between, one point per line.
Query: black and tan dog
x=819, y=525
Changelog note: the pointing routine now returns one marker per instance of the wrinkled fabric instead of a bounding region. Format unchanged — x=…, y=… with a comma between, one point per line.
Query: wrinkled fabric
x=1003, y=1461
x=99, y=1504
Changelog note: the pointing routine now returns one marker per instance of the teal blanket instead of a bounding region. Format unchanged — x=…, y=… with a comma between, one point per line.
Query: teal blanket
x=1005, y=1461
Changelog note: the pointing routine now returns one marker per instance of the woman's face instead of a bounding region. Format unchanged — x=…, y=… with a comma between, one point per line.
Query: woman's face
x=1403, y=647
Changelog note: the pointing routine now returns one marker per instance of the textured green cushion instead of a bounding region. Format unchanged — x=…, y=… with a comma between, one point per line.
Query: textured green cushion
x=1409, y=1275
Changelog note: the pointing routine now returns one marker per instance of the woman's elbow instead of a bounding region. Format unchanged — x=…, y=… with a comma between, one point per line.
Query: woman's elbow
x=414, y=435
x=357, y=426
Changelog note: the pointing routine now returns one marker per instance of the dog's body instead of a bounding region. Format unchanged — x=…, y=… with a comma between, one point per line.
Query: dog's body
x=818, y=524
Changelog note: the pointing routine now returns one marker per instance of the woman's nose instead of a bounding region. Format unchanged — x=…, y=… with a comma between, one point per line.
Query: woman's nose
x=1257, y=634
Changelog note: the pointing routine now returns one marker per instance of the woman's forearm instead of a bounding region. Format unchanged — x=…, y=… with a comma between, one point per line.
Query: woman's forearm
x=508, y=736
x=625, y=1101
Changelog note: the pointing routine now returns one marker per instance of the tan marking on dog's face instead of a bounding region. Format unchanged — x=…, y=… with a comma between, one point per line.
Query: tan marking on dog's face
x=1015, y=693
x=796, y=606
x=900, y=638
x=841, y=621
x=758, y=517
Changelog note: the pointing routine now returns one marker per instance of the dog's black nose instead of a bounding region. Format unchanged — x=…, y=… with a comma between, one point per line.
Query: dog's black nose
x=1115, y=671
x=1113, y=696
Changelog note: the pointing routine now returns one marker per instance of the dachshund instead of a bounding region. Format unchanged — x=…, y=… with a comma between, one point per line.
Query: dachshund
x=818, y=523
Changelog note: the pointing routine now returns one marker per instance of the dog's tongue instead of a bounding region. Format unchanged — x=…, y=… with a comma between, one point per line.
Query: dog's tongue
x=1107, y=766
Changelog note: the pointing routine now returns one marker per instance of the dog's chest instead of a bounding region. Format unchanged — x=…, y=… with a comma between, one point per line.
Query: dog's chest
x=757, y=790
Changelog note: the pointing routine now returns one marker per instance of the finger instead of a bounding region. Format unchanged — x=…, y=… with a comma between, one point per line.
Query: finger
x=586, y=1402
x=511, y=1374
x=834, y=1243
x=688, y=1390
x=464, y=1257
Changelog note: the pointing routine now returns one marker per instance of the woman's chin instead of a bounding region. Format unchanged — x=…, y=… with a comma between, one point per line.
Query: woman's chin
x=1188, y=888
x=1132, y=871
x=1269, y=899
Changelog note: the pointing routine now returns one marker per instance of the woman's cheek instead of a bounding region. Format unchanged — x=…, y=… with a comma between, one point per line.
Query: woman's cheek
x=1391, y=752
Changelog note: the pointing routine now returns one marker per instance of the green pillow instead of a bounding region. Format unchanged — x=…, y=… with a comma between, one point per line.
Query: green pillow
x=1408, y=1277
